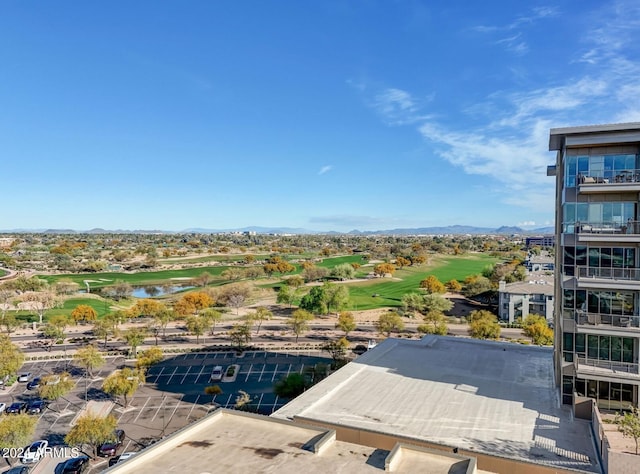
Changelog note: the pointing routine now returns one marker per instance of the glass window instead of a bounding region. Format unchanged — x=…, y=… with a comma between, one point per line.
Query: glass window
x=627, y=349
x=567, y=341
x=580, y=344
x=567, y=384
x=616, y=349
x=592, y=346
x=604, y=348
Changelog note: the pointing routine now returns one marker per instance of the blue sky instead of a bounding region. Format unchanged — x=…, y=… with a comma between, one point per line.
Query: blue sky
x=327, y=115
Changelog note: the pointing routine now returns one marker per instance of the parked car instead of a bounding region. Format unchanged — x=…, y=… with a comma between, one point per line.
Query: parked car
x=360, y=349
x=35, y=451
x=75, y=465
x=37, y=406
x=24, y=377
x=16, y=408
x=216, y=375
x=110, y=447
x=3, y=407
x=121, y=457
x=18, y=470
x=35, y=383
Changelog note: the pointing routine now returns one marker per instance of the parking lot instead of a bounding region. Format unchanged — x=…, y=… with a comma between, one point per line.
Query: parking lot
x=258, y=371
x=172, y=396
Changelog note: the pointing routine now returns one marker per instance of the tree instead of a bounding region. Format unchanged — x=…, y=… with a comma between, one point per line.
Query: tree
x=134, y=337
x=213, y=390
x=16, y=430
x=11, y=357
x=10, y=323
x=146, y=307
x=337, y=349
x=203, y=279
x=346, y=322
x=102, y=330
x=92, y=430
x=432, y=285
x=53, y=334
x=261, y=314
x=434, y=323
x=124, y=383
x=66, y=286
x=295, y=281
x=83, y=313
x=240, y=335
x=119, y=290
x=290, y=386
x=484, y=325
x=212, y=317
x=150, y=357
x=454, y=286
x=402, y=262
x=412, y=303
x=344, y=271
x=475, y=285
x=629, y=425
x=163, y=318
x=41, y=302
x=196, y=325
x=286, y=294
x=384, y=269
x=313, y=273
x=299, y=322
x=243, y=401
x=336, y=296
x=315, y=301
x=234, y=295
x=436, y=302
x=537, y=328
x=55, y=386
x=389, y=322
x=89, y=358
x=198, y=299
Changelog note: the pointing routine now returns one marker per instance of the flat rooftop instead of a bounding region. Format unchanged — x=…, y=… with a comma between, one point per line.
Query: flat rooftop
x=229, y=441
x=482, y=396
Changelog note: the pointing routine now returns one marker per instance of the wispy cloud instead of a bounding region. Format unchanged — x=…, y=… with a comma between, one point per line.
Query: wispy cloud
x=516, y=43
x=325, y=169
x=510, y=147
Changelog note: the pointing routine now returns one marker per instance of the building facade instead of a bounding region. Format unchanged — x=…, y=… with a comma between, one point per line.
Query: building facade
x=520, y=299
x=597, y=282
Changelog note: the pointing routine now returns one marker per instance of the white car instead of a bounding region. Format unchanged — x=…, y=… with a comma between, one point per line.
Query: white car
x=3, y=407
x=24, y=377
x=35, y=451
x=216, y=375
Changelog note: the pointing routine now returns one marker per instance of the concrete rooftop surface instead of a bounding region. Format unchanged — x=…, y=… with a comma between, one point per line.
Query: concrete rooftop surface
x=236, y=442
x=483, y=396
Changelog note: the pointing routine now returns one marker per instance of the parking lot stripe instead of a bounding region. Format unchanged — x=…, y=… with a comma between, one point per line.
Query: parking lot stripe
x=201, y=370
x=260, y=401
x=174, y=373
x=262, y=372
x=185, y=375
x=228, y=401
x=248, y=373
x=141, y=410
x=275, y=371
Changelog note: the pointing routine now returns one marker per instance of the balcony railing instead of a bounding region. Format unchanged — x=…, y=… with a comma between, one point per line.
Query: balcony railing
x=612, y=228
x=609, y=273
x=609, y=365
x=610, y=177
x=600, y=319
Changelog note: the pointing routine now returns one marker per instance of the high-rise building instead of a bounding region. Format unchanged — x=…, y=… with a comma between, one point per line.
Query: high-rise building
x=597, y=287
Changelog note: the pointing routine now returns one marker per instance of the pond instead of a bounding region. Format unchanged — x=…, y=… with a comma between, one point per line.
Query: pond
x=150, y=291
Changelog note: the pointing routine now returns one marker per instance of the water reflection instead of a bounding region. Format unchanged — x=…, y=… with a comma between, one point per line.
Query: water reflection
x=156, y=290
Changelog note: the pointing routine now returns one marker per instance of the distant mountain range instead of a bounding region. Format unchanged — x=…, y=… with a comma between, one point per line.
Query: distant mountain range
x=447, y=230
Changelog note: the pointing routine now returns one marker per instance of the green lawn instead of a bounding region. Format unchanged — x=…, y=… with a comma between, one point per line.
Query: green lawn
x=390, y=291
x=101, y=306
x=3, y=272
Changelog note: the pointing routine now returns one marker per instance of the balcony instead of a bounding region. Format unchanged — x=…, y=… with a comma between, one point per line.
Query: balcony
x=608, y=278
x=606, y=323
x=610, y=182
x=606, y=368
x=611, y=231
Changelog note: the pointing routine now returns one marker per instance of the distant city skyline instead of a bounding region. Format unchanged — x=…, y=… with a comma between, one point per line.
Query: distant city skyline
x=324, y=116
